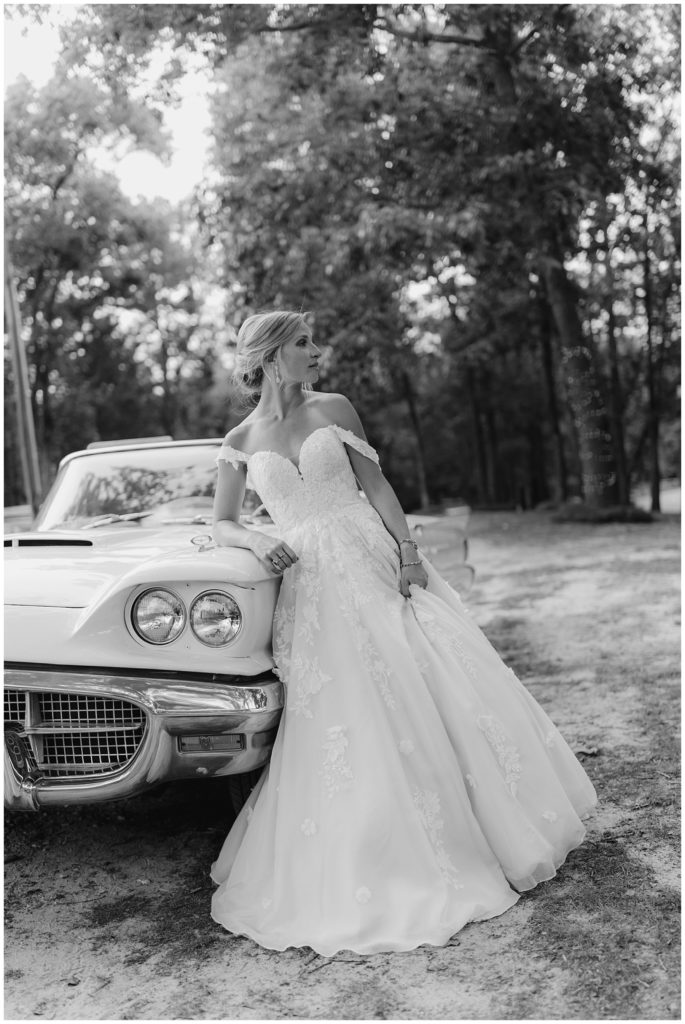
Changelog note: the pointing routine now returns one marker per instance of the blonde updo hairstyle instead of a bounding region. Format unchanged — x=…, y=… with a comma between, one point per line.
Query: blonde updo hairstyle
x=259, y=339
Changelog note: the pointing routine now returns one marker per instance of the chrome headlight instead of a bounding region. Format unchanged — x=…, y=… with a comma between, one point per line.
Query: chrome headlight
x=158, y=616
x=215, y=618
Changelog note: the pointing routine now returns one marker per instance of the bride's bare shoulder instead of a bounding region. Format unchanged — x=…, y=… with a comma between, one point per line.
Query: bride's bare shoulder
x=339, y=410
x=335, y=406
x=238, y=436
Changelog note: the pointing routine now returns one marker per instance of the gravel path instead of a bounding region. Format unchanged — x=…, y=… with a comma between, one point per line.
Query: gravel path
x=108, y=908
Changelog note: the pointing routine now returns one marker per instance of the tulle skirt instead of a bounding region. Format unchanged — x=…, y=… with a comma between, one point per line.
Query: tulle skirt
x=415, y=785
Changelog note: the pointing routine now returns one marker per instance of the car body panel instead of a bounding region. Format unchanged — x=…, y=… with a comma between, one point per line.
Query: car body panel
x=92, y=710
x=83, y=593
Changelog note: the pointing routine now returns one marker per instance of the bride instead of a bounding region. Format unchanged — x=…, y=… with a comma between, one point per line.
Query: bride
x=415, y=785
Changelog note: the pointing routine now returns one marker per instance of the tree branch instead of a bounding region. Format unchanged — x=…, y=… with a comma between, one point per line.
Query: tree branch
x=64, y=176
x=524, y=39
x=431, y=37
x=423, y=36
x=534, y=31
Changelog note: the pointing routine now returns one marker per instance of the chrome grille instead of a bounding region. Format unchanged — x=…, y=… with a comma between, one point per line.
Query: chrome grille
x=15, y=707
x=77, y=735
x=88, y=752
x=82, y=708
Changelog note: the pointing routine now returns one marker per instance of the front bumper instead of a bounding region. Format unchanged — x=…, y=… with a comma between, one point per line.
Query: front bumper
x=172, y=714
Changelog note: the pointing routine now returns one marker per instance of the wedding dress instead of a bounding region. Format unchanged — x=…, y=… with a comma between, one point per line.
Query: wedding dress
x=415, y=785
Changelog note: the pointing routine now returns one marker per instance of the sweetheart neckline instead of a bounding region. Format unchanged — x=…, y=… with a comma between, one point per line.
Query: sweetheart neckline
x=295, y=465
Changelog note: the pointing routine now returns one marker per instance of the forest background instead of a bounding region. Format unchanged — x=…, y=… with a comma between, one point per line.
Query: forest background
x=477, y=204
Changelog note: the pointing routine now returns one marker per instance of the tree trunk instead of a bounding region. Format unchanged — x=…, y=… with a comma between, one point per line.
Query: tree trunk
x=584, y=387
x=616, y=398
x=536, y=489
x=422, y=478
x=616, y=408
x=636, y=455
x=561, y=472
x=478, y=439
x=598, y=463
x=24, y=421
x=654, y=468
x=494, y=489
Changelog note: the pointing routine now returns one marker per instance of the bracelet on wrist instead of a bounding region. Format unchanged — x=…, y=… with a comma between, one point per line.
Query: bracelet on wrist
x=408, y=540
x=403, y=565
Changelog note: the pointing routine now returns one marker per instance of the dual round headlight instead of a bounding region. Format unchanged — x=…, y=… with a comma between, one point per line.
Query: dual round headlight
x=159, y=617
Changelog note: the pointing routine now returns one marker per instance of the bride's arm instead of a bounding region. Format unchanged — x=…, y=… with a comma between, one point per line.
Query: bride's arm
x=228, y=502
x=383, y=498
x=229, y=532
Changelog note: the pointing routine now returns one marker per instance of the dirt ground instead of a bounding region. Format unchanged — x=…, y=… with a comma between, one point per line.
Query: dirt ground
x=108, y=908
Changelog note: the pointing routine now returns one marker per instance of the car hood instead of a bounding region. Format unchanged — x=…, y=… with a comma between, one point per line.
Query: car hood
x=66, y=596
x=72, y=569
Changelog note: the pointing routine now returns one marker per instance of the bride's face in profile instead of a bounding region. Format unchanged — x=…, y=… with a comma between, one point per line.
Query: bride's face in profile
x=298, y=360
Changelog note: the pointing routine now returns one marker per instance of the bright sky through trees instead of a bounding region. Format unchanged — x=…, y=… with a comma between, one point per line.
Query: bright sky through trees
x=30, y=49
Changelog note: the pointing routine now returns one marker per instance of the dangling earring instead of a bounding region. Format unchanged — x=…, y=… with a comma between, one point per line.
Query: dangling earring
x=277, y=375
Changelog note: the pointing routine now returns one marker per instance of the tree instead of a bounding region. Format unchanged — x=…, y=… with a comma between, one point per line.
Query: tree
x=365, y=150
x=96, y=270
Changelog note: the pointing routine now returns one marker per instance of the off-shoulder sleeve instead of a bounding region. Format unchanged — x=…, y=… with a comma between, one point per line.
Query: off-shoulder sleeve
x=351, y=439
x=232, y=455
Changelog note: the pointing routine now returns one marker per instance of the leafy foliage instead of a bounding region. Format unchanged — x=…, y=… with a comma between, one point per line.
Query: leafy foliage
x=105, y=282
x=467, y=197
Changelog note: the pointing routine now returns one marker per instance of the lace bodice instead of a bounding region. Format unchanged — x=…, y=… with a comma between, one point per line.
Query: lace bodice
x=322, y=484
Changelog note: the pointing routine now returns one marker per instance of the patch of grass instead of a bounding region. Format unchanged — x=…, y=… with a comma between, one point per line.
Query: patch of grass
x=181, y=926
x=579, y=512
x=608, y=925
x=613, y=930
x=115, y=911
x=644, y=570
x=509, y=635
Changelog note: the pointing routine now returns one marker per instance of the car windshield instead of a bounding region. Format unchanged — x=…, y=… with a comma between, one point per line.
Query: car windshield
x=163, y=482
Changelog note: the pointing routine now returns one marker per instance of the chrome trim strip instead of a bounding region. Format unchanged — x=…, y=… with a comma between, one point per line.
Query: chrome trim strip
x=181, y=696
x=60, y=728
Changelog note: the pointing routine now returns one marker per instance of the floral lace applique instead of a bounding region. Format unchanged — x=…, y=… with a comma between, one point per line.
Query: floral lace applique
x=309, y=579
x=336, y=772
x=507, y=754
x=427, y=803
x=308, y=827
x=362, y=895
x=471, y=781
x=447, y=640
x=406, y=747
x=231, y=455
x=353, y=564
x=550, y=738
x=550, y=815
x=374, y=664
x=306, y=680
x=532, y=835
x=380, y=674
x=284, y=621
x=309, y=622
x=350, y=438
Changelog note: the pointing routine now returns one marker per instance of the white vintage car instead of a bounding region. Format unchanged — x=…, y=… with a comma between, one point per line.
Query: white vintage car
x=138, y=651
